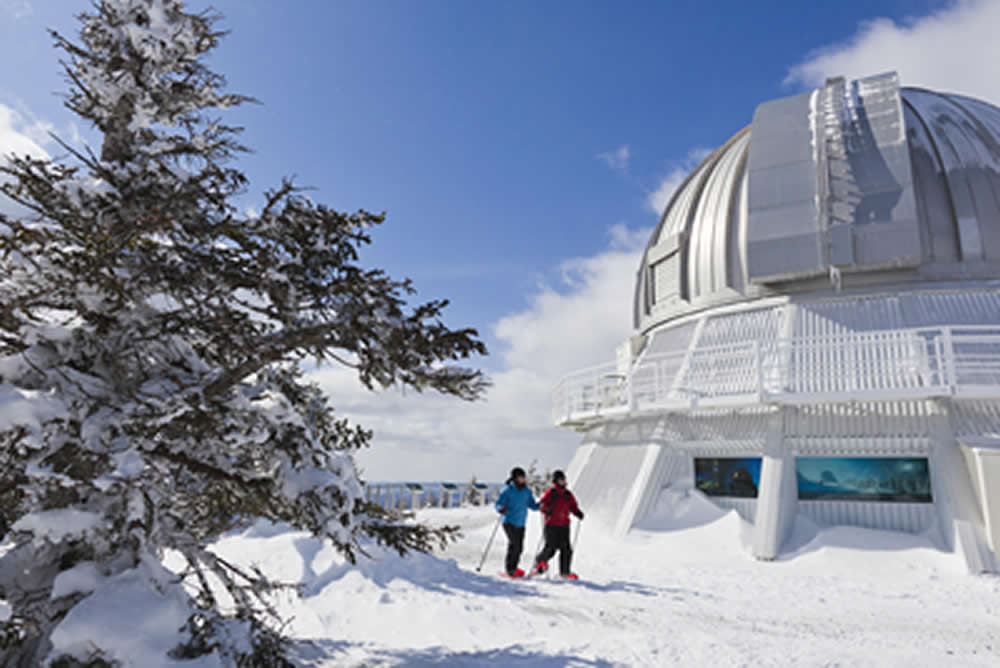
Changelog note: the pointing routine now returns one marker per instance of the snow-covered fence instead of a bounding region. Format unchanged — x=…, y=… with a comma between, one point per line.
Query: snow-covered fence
x=913, y=363
x=413, y=495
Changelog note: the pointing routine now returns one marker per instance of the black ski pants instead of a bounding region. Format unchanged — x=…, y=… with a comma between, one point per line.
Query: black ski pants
x=515, y=545
x=557, y=538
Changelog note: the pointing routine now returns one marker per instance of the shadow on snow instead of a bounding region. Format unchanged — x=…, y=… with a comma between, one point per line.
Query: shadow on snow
x=317, y=653
x=426, y=571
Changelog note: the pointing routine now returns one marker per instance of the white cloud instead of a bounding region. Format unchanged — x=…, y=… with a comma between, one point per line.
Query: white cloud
x=617, y=159
x=575, y=324
x=16, y=9
x=21, y=137
x=17, y=135
x=657, y=200
x=954, y=50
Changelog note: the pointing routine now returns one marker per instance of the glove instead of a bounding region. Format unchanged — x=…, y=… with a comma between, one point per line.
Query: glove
x=502, y=511
x=579, y=514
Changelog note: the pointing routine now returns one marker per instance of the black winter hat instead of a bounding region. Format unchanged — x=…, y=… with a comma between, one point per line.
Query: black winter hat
x=514, y=472
x=558, y=475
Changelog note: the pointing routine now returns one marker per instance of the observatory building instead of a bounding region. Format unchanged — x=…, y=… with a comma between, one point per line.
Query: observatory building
x=817, y=328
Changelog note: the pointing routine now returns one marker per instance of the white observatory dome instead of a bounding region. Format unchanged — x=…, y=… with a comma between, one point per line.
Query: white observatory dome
x=817, y=321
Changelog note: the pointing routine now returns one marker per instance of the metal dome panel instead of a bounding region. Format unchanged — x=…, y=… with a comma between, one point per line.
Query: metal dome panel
x=784, y=227
x=860, y=181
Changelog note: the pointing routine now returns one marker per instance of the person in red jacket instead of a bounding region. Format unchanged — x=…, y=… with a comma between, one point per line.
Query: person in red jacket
x=557, y=504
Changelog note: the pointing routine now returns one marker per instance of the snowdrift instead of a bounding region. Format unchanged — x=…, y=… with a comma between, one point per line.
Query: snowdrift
x=681, y=589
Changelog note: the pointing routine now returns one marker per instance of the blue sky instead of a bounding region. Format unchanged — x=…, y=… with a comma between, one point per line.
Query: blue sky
x=515, y=146
x=475, y=125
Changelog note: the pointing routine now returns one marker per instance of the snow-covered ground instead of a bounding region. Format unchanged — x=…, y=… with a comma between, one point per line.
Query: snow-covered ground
x=682, y=591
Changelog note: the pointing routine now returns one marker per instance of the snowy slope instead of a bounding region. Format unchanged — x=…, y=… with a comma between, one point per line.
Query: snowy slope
x=682, y=591
x=687, y=596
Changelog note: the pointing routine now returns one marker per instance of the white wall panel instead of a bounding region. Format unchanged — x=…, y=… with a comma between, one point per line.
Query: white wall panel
x=606, y=481
x=745, y=508
x=908, y=517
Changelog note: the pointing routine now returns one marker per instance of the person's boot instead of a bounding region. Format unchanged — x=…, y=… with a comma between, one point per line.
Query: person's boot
x=539, y=568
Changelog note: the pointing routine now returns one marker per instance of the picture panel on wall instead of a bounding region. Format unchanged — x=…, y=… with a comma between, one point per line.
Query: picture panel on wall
x=731, y=476
x=895, y=479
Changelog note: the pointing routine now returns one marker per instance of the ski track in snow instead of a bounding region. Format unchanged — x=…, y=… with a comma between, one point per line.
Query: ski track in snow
x=690, y=596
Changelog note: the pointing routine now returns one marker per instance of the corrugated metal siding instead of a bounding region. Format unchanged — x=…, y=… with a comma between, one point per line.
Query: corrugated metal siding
x=908, y=517
x=736, y=262
x=883, y=312
x=677, y=216
x=987, y=116
x=708, y=241
x=863, y=428
x=858, y=447
x=745, y=508
x=939, y=229
x=674, y=467
x=842, y=316
x=978, y=125
x=889, y=419
x=981, y=307
x=964, y=158
x=975, y=418
x=748, y=427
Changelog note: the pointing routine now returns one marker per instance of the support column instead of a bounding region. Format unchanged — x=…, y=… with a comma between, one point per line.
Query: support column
x=643, y=489
x=959, y=515
x=777, y=494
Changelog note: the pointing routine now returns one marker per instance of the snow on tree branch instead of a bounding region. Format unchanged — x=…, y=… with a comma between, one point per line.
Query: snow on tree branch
x=151, y=395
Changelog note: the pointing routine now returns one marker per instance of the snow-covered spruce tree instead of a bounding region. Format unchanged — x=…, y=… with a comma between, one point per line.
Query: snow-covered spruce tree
x=151, y=396
x=537, y=481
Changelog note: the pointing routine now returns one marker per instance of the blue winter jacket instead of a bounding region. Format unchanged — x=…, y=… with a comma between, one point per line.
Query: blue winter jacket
x=516, y=502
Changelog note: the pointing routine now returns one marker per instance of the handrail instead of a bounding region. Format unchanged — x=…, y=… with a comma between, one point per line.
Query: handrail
x=444, y=494
x=928, y=361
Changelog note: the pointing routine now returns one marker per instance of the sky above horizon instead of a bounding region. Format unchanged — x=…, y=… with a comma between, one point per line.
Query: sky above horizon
x=521, y=150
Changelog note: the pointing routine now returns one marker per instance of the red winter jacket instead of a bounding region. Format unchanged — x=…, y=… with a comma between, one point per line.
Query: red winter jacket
x=557, y=503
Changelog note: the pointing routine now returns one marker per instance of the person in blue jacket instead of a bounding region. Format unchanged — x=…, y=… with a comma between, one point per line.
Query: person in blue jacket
x=513, y=503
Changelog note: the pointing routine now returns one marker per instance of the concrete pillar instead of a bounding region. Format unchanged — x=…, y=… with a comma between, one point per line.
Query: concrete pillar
x=953, y=489
x=642, y=491
x=777, y=496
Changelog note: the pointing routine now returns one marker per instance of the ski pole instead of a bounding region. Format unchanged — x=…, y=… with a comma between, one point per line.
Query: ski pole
x=576, y=534
x=489, y=544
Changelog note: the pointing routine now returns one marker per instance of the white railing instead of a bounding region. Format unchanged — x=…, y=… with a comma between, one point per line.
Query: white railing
x=891, y=364
x=414, y=495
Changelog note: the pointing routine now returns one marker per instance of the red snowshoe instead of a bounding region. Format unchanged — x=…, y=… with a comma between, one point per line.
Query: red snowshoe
x=539, y=568
x=512, y=576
